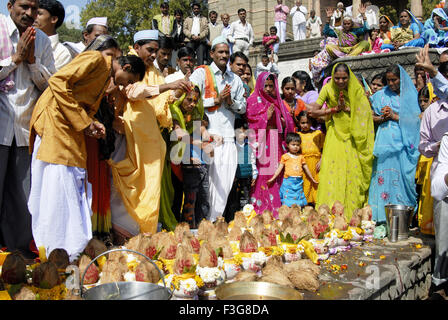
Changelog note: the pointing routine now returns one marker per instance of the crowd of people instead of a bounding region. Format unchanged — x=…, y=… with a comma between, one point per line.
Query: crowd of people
x=109, y=144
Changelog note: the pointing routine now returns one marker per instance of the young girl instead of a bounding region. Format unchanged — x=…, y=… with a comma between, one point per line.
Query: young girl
x=375, y=43
x=422, y=176
x=293, y=105
x=311, y=146
x=291, y=191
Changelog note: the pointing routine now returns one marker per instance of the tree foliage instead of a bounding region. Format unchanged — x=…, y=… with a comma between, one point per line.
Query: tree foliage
x=126, y=17
x=69, y=34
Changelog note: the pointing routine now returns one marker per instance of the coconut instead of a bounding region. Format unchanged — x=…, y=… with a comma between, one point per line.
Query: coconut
x=184, y=260
x=46, y=275
x=267, y=217
x=14, y=269
x=180, y=229
x=207, y=256
x=239, y=219
x=60, y=258
x=221, y=227
x=147, y=272
x=248, y=242
x=94, y=248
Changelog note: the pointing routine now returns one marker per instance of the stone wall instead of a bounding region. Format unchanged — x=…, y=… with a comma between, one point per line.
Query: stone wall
x=295, y=55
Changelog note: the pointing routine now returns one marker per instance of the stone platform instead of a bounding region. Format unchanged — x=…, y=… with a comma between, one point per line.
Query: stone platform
x=379, y=270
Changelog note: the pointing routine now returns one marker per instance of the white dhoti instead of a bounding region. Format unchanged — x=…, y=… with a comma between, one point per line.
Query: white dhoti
x=299, y=31
x=221, y=175
x=241, y=45
x=120, y=217
x=60, y=206
x=281, y=29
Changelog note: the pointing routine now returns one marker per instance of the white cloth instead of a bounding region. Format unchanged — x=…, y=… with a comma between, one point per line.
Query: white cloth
x=373, y=17
x=60, y=206
x=178, y=75
x=439, y=189
x=77, y=47
x=61, y=54
x=238, y=30
x=119, y=215
x=271, y=67
x=299, y=31
x=221, y=121
x=241, y=45
x=298, y=14
x=281, y=28
x=31, y=80
x=314, y=27
x=440, y=273
x=252, y=158
x=196, y=26
x=221, y=175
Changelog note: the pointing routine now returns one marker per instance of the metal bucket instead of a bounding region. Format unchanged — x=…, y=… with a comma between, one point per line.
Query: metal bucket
x=404, y=214
x=126, y=290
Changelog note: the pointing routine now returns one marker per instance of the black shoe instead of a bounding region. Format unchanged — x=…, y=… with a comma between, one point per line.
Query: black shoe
x=439, y=292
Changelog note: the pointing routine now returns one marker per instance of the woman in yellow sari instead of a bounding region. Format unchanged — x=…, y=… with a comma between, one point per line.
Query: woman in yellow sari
x=347, y=157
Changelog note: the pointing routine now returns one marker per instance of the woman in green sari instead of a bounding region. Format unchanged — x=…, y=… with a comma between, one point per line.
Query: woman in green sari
x=347, y=156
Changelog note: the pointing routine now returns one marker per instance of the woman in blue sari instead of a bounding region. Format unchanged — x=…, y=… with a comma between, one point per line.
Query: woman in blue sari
x=406, y=33
x=436, y=30
x=395, y=150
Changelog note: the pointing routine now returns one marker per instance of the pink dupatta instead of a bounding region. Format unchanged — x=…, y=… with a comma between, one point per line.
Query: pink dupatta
x=258, y=104
x=269, y=146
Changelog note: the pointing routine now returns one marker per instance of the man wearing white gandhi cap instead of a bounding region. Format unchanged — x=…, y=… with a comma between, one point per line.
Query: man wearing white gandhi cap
x=225, y=100
x=94, y=28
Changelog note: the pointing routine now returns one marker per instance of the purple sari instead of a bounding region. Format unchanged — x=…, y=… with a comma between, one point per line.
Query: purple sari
x=270, y=144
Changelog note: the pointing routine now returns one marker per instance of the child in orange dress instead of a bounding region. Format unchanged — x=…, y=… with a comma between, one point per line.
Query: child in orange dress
x=291, y=191
x=312, y=145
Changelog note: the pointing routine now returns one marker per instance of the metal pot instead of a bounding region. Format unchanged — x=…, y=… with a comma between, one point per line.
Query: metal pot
x=127, y=290
x=256, y=290
x=404, y=214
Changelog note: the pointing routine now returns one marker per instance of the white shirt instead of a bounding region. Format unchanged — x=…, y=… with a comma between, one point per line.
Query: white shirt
x=439, y=189
x=238, y=30
x=16, y=106
x=314, y=26
x=271, y=67
x=178, y=75
x=225, y=31
x=221, y=121
x=61, y=54
x=298, y=14
x=196, y=26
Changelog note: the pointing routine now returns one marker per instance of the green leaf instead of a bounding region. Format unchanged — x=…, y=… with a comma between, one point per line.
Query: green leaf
x=219, y=252
x=14, y=289
x=282, y=238
x=192, y=269
x=156, y=256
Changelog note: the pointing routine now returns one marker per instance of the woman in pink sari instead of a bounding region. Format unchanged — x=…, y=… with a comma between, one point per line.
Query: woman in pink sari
x=269, y=121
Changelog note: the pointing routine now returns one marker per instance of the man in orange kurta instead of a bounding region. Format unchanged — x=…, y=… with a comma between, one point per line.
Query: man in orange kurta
x=137, y=177
x=59, y=201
